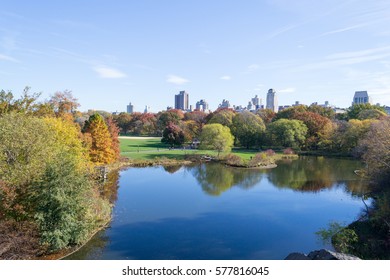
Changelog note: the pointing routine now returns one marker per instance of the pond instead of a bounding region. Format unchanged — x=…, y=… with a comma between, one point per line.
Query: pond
x=210, y=211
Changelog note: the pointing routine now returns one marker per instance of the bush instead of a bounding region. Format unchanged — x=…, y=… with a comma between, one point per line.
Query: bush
x=233, y=160
x=288, y=151
x=270, y=152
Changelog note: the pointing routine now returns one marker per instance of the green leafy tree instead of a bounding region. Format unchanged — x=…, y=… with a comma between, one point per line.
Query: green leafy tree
x=223, y=116
x=354, y=111
x=248, y=129
x=287, y=133
x=216, y=137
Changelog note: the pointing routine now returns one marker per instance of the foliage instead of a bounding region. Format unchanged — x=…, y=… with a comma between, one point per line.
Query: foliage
x=287, y=133
x=326, y=112
x=270, y=152
x=248, y=129
x=354, y=111
x=113, y=129
x=223, y=116
x=260, y=159
x=216, y=137
x=171, y=116
x=288, y=151
x=291, y=112
x=100, y=151
x=233, y=160
x=267, y=115
x=371, y=114
x=27, y=103
x=173, y=135
x=60, y=204
x=343, y=239
x=376, y=146
x=319, y=129
x=63, y=103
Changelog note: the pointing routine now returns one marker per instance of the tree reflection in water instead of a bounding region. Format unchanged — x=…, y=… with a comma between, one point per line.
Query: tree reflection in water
x=216, y=178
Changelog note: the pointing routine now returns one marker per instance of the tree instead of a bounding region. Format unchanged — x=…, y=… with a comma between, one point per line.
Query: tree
x=100, y=151
x=287, y=133
x=319, y=129
x=291, y=112
x=173, y=135
x=353, y=132
x=113, y=129
x=63, y=103
x=371, y=114
x=376, y=146
x=26, y=104
x=326, y=112
x=216, y=137
x=171, y=116
x=267, y=115
x=248, y=129
x=123, y=121
x=223, y=116
x=354, y=111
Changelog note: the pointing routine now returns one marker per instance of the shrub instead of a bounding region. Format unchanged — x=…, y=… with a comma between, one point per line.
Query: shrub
x=233, y=160
x=288, y=151
x=270, y=152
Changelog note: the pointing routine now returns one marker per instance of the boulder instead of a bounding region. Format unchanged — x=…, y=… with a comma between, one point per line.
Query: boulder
x=321, y=255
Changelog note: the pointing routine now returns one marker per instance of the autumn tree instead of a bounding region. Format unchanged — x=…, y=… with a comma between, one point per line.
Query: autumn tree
x=173, y=135
x=113, y=129
x=267, y=115
x=216, y=137
x=248, y=129
x=64, y=104
x=100, y=151
x=171, y=116
x=26, y=104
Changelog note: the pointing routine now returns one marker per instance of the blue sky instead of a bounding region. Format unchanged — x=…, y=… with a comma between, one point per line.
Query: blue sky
x=110, y=53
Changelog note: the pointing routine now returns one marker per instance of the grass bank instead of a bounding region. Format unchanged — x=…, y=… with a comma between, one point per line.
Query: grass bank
x=144, y=151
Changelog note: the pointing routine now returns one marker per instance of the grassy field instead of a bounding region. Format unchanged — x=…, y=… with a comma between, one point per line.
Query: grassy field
x=151, y=147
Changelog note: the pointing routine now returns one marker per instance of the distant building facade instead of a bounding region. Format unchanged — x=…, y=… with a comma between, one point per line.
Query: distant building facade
x=272, y=100
x=202, y=105
x=257, y=102
x=361, y=97
x=130, y=108
x=225, y=104
x=182, y=101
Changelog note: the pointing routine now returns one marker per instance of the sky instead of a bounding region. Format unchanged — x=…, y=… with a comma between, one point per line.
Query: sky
x=110, y=53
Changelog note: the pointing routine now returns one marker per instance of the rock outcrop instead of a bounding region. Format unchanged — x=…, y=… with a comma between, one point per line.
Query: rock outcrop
x=321, y=255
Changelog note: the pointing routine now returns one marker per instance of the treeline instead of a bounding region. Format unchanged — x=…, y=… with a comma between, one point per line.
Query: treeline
x=299, y=127
x=49, y=193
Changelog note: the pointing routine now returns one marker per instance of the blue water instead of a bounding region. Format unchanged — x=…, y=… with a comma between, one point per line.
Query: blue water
x=211, y=211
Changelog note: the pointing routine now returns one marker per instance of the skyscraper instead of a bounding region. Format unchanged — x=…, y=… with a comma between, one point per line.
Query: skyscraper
x=182, y=100
x=272, y=100
x=130, y=108
x=361, y=97
x=202, y=105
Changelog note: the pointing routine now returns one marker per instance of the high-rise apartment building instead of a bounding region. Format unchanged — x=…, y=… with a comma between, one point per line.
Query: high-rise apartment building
x=202, y=105
x=130, y=108
x=361, y=97
x=182, y=101
x=225, y=104
x=272, y=100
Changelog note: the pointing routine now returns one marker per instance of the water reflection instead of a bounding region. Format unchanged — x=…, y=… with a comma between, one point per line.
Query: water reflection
x=313, y=174
x=188, y=212
x=216, y=178
x=308, y=174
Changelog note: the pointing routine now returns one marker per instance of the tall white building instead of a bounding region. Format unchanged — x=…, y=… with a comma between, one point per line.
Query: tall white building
x=272, y=100
x=182, y=101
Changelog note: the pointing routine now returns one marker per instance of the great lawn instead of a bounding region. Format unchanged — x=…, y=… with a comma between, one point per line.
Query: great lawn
x=148, y=148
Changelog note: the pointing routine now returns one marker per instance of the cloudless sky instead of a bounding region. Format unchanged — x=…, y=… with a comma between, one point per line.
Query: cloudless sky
x=110, y=53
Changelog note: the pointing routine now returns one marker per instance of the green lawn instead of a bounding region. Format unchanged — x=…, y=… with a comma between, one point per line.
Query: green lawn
x=152, y=147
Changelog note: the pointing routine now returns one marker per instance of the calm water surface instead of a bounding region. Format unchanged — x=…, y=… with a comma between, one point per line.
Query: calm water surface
x=210, y=211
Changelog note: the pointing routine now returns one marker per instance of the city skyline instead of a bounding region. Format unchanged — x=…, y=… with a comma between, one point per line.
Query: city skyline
x=146, y=51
